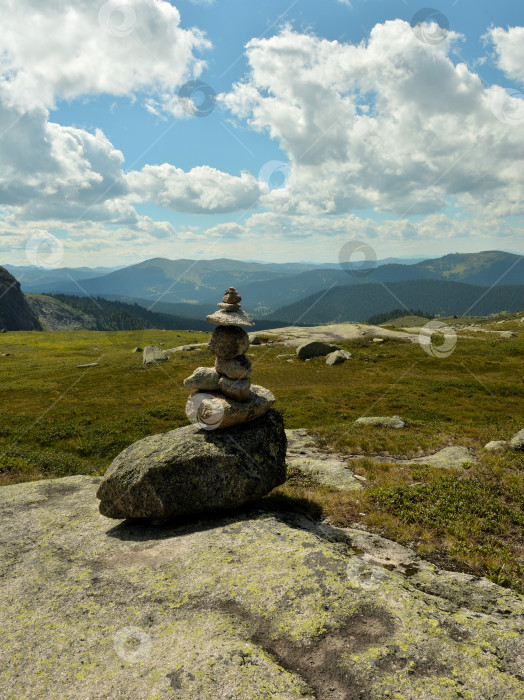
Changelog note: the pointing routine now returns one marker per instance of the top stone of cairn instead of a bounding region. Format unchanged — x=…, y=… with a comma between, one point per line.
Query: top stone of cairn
x=229, y=312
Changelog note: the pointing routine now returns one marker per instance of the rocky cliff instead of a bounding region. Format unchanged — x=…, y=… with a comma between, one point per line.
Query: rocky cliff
x=54, y=315
x=15, y=314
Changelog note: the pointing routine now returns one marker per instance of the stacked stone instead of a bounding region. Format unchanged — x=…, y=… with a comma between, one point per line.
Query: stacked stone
x=228, y=384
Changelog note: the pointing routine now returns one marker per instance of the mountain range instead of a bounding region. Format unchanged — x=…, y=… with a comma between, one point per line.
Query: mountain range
x=488, y=282
x=265, y=287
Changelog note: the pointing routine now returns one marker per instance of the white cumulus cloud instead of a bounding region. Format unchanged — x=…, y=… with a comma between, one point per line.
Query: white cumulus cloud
x=391, y=124
x=202, y=190
x=66, y=49
x=46, y=165
x=509, y=47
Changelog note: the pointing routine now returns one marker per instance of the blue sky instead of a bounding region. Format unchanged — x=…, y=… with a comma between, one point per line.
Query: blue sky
x=334, y=121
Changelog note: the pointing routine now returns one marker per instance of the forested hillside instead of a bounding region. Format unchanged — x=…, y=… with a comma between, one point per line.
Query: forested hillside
x=359, y=302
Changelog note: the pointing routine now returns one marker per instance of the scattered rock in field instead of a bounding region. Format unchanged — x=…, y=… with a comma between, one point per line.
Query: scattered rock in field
x=508, y=334
x=91, y=364
x=255, y=340
x=7, y=354
x=496, y=445
x=186, y=348
x=137, y=349
x=378, y=340
x=448, y=457
x=190, y=471
x=517, y=441
x=4, y=330
x=204, y=378
x=337, y=357
x=315, y=348
x=153, y=354
x=382, y=421
x=283, y=357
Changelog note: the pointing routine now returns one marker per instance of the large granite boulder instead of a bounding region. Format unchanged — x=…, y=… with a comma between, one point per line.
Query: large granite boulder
x=191, y=470
x=251, y=606
x=315, y=348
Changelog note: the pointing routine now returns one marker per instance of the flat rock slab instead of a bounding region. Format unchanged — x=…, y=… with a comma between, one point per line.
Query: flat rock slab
x=189, y=470
x=326, y=468
x=249, y=607
x=186, y=348
x=382, y=421
x=293, y=336
x=447, y=458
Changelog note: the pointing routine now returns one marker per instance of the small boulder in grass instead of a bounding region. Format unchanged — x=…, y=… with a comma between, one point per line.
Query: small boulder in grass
x=517, y=441
x=153, y=354
x=382, y=421
x=137, y=349
x=496, y=445
x=338, y=357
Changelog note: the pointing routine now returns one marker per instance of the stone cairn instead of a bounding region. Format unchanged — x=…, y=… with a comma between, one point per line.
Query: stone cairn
x=188, y=470
x=224, y=394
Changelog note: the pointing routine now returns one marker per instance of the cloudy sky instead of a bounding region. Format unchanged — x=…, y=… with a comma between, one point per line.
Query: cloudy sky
x=274, y=130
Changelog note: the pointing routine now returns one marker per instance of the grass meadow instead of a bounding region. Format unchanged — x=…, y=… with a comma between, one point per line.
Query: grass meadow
x=57, y=420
